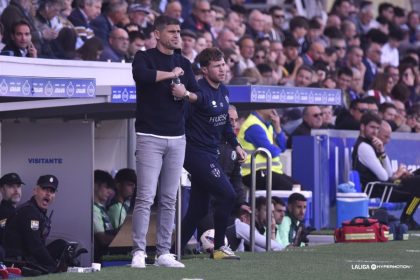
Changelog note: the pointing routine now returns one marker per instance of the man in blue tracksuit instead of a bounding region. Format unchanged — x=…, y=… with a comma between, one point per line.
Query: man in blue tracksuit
x=207, y=121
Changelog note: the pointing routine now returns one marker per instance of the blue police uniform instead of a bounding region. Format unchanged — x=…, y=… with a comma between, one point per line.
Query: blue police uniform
x=207, y=121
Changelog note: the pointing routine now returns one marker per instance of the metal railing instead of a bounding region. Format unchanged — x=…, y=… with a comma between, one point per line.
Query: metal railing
x=267, y=154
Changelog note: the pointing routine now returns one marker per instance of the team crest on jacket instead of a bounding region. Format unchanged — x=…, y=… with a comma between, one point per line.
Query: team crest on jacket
x=34, y=224
x=216, y=172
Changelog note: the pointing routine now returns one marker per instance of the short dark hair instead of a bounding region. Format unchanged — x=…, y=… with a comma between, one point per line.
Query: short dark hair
x=305, y=67
x=19, y=23
x=297, y=22
x=278, y=200
x=370, y=100
x=260, y=202
x=294, y=197
x=384, y=6
x=162, y=21
x=370, y=117
x=385, y=106
x=345, y=71
x=355, y=102
x=209, y=54
x=133, y=35
x=243, y=38
x=103, y=177
x=274, y=8
x=126, y=175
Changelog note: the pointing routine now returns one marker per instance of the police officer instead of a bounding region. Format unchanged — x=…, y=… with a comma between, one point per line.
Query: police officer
x=11, y=192
x=28, y=229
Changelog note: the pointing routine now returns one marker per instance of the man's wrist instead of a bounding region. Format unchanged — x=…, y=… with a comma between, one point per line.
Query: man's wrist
x=187, y=94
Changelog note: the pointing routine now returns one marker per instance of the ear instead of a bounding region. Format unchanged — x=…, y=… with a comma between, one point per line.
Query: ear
x=205, y=70
x=157, y=34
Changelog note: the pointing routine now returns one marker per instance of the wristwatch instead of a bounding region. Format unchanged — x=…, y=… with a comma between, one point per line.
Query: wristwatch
x=187, y=94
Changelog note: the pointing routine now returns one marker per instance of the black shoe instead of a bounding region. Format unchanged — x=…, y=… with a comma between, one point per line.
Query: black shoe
x=411, y=223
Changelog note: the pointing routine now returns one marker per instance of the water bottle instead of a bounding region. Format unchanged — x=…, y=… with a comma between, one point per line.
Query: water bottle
x=175, y=82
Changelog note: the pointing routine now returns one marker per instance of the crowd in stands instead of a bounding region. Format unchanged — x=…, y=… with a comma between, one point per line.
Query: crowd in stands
x=375, y=62
x=348, y=48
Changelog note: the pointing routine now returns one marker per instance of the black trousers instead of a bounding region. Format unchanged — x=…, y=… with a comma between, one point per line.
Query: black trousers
x=207, y=180
x=281, y=182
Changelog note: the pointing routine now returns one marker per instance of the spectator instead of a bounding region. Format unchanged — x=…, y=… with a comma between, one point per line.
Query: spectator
x=327, y=117
x=278, y=16
x=200, y=18
x=298, y=29
x=103, y=231
x=293, y=60
x=125, y=184
x=64, y=47
x=339, y=44
x=304, y=76
x=200, y=43
x=136, y=44
x=20, y=44
x=372, y=62
x=16, y=11
x=350, y=120
x=356, y=86
x=354, y=59
x=235, y=24
x=91, y=49
x=292, y=229
x=364, y=20
x=137, y=14
x=226, y=39
x=189, y=39
x=349, y=30
x=315, y=53
x=116, y=13
x=390, y=54
x=393, y=72
x=117, y=48
x=388, y=112
x=255, y=26
x=381, y=88
x=84, y=13
x=386, y=11
x=47, y=10
x=408, y=78
x=312, y=119
x=373, y=164
x=341, y=8
x=246, y=51
x=413, y=22
x=401, y=117
x=344, y=79
x=174, y=10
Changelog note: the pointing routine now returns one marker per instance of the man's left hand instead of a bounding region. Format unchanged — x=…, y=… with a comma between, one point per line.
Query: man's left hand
x=241, y=154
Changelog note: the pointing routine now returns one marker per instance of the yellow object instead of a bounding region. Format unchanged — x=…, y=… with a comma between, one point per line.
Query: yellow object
x=260, y=161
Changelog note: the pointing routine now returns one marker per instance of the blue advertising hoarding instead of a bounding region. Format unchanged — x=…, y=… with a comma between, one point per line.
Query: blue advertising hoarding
x=255, y=94
x=36, y=87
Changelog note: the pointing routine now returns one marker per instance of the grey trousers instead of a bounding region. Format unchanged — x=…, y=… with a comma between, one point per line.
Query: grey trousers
x=158, y=161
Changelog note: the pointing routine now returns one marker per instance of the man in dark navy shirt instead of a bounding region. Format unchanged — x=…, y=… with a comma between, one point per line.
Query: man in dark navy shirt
x=207, y=121
x=164, y=80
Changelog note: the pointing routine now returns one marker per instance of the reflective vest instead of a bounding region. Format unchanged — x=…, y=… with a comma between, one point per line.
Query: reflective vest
x=260, y=160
